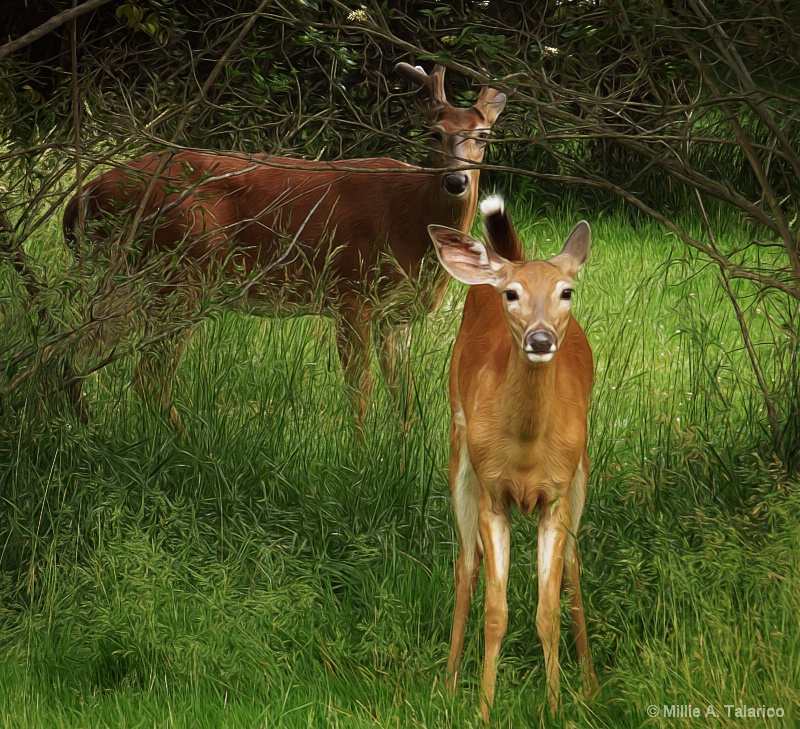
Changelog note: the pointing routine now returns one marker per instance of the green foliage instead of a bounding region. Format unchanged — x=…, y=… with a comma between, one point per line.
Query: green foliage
x=137, y=19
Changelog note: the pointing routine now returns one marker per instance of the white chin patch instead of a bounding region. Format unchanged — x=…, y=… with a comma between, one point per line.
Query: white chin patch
x=540, y=357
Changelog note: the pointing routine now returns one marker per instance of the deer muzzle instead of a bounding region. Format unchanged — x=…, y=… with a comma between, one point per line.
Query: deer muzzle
x=456, y=183
x=540, y=345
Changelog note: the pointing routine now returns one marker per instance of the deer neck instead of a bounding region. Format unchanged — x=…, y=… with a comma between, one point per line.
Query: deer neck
x=528, y=395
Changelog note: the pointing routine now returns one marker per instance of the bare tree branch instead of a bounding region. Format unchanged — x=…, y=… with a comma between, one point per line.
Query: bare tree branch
x=55, y=22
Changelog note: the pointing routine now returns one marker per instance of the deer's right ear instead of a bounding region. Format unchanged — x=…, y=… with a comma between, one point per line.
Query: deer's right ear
x=465, y=258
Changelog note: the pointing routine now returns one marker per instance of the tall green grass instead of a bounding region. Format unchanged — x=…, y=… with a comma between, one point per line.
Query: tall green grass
x=269, y=571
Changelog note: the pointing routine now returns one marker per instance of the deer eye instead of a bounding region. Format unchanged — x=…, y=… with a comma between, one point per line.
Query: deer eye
x=510, y=295
x=484, y=135
x=566, y=294
x=436, y=136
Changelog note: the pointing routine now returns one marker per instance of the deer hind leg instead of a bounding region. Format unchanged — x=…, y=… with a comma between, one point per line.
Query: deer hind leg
x=353, y=339
x=106, y=319
x=155, y=374
x=495, y=533
x=394, y=347
x=572, y=578
x=465, y=491
x=553, y=529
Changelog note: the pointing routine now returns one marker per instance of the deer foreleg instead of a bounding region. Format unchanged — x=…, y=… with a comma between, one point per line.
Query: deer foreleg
x=572, y=579
x=553, y=529
x=353, y=339
x=465, y=489
x=495, y=533
x=393, y=353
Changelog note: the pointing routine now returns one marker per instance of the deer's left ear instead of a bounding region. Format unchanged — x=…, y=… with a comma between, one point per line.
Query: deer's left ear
x=490, y=103
x=576, y=249
x=465, y=258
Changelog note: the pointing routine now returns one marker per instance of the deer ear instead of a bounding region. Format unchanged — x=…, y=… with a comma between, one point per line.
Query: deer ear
x=576, y=249
x=465, y=258
x=490, y=103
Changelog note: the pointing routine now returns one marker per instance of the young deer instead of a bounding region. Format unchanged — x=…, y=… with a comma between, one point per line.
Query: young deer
x=520, y=380
x=359, y=228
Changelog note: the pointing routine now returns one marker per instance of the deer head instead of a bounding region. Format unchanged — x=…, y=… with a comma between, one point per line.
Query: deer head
x=459, y=135
x=536, y=294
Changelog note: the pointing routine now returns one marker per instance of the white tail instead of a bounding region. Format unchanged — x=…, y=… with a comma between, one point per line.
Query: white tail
x=234, y=214
x=520, y=380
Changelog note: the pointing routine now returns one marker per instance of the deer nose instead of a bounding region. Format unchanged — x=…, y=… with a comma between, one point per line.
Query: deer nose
x=456, y=183
x=540, y=341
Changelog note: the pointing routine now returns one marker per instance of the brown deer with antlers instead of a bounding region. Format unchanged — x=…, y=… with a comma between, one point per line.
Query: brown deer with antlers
x=347, y=234
x=520, y=380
